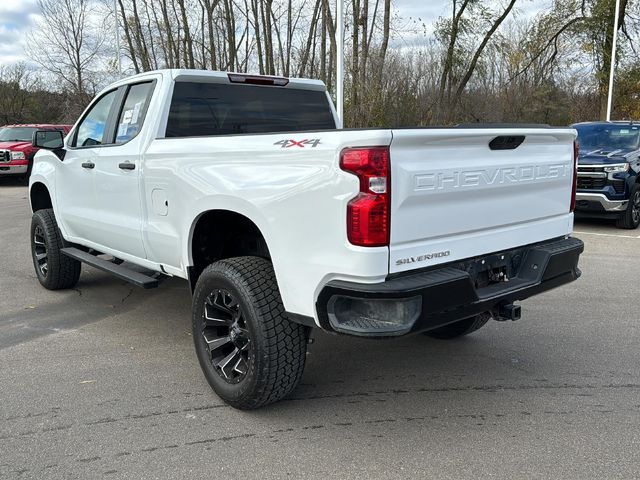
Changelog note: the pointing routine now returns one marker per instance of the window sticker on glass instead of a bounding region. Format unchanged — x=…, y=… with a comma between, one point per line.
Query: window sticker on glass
x=623, y=132
x=133, y=111
x=136, y=112
x=122, y=130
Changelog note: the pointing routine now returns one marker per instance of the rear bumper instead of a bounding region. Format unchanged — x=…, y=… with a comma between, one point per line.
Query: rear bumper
x=433, y=298
x=6, y=169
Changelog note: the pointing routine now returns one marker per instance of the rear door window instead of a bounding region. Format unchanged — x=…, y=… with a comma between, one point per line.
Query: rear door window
x=203, y=109
x=133, y=111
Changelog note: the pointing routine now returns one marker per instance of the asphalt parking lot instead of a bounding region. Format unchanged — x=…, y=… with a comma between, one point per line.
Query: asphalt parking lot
x=102, y=381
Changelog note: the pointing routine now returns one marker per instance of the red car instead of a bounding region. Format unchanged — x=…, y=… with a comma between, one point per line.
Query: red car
x=16, y=152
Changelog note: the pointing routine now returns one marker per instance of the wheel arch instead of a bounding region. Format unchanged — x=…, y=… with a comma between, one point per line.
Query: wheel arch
x=216, y=234
x=39, y=197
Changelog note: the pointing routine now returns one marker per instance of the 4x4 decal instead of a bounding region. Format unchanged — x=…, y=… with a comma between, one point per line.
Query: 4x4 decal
x=314, y=142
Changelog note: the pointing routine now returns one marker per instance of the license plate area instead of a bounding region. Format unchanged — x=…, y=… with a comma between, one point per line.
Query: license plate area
x=493, y=269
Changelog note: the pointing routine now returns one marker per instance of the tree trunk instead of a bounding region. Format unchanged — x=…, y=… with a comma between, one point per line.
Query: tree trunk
x=456, y=15
x=188, y=41
x=355, y=60
x=127, y=36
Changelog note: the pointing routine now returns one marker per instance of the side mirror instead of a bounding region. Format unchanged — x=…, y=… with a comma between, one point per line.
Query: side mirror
x=50, y=140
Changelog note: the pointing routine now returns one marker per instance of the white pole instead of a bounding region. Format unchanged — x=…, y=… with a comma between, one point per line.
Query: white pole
x=613, y=60
x=115, y=19
x=340, y=61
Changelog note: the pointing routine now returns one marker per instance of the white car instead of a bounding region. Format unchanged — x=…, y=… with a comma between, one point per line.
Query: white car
x=247, y=187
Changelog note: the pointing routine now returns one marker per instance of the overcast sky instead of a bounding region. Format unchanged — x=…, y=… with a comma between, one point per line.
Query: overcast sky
x=17, y=18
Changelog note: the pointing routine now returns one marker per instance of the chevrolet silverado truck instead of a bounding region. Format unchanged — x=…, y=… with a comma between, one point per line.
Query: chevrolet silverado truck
x=16, y=151
x=608, y=167
x=283, y=222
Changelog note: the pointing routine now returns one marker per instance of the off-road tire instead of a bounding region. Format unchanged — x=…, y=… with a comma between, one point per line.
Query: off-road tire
x=62, y=271
x=459, y=329
x=630, y=219
x=276, y=347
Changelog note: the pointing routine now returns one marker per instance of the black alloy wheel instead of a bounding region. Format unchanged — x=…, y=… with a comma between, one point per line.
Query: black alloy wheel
x=54, y=269
x=250, y=352
x=635, y=207
x=40, y=253
x=227, y=336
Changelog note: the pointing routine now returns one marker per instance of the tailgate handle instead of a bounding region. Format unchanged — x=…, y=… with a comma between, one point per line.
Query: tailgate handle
x=506, y=142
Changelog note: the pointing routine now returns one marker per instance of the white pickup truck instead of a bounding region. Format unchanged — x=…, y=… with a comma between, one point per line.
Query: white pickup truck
x=282, y=222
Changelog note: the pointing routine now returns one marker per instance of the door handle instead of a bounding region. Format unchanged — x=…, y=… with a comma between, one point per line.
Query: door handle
x=127, y=166
x=88, y=164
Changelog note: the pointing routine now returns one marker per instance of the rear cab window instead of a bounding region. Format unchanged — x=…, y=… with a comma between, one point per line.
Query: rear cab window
x=206, y=109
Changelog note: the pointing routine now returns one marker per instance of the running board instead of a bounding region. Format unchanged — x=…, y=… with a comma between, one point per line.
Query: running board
x=131, y=276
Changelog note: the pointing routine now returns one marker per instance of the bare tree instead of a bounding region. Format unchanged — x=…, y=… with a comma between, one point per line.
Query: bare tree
x=67, y=42
x=455, y=72
x=483, y=64
x=15, y=82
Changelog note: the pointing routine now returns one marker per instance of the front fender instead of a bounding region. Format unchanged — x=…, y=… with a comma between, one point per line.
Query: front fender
x=631, y=180
x=43, y=172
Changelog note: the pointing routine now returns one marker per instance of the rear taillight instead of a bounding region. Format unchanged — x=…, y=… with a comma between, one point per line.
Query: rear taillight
x=368, y=214
x=574, y=186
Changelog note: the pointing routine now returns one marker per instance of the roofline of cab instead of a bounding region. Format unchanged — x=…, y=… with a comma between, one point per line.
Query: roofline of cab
x=208, y=76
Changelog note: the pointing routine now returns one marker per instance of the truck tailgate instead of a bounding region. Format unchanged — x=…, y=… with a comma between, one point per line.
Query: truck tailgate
x=454, y=197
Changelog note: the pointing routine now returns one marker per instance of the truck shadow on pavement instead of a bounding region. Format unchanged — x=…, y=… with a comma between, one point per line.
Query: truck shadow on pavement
x=96, y=297
x=605, y=223
x=12, y=181
x=356, y=371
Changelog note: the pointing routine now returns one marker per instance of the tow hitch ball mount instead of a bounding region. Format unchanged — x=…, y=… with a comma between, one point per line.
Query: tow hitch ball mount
x=507, y=311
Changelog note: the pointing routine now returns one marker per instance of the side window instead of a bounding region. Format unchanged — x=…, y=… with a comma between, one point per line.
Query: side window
x=91, y=129
x=134, y=111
